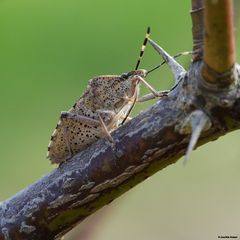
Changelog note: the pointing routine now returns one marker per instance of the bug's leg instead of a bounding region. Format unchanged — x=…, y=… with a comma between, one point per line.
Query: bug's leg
x=151, y=96
x=113, y=118
x=104, y=127
x=154, y=93
x=109, y=113
x=128, y=119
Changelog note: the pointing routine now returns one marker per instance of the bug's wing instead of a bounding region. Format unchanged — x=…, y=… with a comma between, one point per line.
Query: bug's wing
x=72, y=134
x=57, y=148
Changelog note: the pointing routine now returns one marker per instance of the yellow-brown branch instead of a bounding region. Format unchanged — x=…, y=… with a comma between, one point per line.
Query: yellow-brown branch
x=219, y=44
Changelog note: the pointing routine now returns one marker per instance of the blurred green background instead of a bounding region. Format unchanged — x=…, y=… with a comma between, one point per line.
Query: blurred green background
x=48, y=52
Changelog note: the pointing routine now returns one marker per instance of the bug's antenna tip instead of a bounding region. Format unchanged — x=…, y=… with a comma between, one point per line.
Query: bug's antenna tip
x=143, y=47
x=148, y=30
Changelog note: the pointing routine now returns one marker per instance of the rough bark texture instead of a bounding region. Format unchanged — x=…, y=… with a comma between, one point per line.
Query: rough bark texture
x=155, y=139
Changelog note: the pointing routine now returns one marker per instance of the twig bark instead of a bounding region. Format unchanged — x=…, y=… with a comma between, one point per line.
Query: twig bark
x=153, y=140
x=197, y=29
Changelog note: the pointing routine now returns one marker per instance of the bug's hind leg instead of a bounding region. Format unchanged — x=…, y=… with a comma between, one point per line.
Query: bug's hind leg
x=104, y=127
x=151, y=96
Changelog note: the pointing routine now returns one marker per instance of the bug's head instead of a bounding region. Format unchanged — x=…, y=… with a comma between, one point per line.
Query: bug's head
x=134, y=74
x=130, y=81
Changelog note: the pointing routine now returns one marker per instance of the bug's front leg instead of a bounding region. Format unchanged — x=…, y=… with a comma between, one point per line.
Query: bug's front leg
x=154, y=93
x=151, y=96
x=103, y=125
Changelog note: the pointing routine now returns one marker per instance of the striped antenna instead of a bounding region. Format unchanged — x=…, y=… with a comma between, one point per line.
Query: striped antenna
x=138, y=63
x=143, y=48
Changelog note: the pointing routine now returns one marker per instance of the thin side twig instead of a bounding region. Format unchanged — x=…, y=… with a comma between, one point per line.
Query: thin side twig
x=197, y=29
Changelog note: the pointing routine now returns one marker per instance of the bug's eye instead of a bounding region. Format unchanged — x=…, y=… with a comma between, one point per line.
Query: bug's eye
x=124, y=75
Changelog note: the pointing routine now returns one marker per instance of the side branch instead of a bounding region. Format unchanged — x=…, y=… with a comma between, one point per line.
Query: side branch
x=219, y=44
x=93, y=178
x=197, y=29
